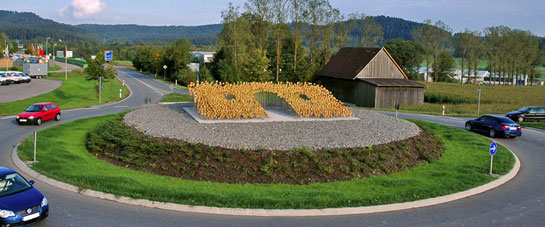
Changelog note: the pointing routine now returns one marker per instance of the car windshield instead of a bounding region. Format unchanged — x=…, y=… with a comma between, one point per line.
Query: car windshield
x=12, y=183
x=34, y=108
x=524, y=109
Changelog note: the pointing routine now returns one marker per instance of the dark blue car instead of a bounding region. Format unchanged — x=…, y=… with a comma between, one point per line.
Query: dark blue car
x=20, y=203
x=494, y=126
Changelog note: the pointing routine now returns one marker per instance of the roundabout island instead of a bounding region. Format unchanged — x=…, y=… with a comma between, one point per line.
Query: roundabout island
x=140, y=160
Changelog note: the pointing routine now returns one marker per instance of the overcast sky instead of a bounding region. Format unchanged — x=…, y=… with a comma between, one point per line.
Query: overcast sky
x=458, y=14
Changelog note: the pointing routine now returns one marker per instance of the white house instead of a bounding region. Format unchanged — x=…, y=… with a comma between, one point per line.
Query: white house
x=483, y=76
x=206, y=56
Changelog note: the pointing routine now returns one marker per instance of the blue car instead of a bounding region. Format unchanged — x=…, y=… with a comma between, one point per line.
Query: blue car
x=494, y=126
x=20, y=203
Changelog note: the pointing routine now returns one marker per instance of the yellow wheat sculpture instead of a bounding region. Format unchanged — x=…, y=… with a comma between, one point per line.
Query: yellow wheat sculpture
x=235, y=101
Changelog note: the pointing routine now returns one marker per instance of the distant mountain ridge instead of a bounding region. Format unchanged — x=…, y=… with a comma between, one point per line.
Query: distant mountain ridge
x=132, y=33
x=29, y=26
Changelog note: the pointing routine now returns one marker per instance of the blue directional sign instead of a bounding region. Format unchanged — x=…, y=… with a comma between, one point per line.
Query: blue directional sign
x=108, y=55
x=493, y=148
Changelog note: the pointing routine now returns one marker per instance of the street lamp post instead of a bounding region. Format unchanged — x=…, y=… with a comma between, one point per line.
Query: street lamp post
x=46, y=46
x=165, y=72
x=479, y=102
x=65, y=60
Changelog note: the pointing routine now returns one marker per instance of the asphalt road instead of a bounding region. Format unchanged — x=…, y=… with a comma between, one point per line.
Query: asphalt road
x=520, y=202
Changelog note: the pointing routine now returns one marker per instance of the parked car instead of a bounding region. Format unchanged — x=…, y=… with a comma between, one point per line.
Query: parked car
x=528, y=113
x=38, y=113
x=4, y=79
x=20, y=202
x=14, y=77
x=494, y=126
x=22, y=75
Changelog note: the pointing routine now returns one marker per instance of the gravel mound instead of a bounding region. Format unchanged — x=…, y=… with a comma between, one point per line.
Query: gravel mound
x=173, y=122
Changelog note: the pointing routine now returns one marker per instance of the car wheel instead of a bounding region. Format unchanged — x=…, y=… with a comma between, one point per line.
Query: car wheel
x=58, y=117
x=520, y=119
x=468, y=127
x=39, y=121
x=492, y=133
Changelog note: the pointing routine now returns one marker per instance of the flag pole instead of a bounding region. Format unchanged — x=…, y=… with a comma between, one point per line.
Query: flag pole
x=7, y=54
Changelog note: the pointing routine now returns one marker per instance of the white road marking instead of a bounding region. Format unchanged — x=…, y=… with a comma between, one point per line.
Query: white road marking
x=4, y=118
x=120, y=106
x=161, y=92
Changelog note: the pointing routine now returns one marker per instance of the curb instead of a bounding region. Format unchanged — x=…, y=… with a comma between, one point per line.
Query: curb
x=269, y=212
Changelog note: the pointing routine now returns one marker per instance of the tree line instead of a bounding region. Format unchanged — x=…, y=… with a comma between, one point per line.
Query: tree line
x=290, y=40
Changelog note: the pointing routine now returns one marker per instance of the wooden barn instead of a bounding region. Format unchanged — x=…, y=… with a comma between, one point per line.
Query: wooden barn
x=369, y=77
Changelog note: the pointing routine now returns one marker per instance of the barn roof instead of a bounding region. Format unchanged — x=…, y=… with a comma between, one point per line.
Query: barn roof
x=348, y=62
x=387, y=82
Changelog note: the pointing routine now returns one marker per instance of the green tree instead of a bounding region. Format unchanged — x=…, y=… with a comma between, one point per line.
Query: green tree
x=461, y=50
x=234, y=41
x=98, y=68
x=408, y=55
x=443, y=68
x=279, y=15
x=371, y=32
x=256, y=68
x=176, y=57
x=297, y=10
x=433, y=38
x=261, y=12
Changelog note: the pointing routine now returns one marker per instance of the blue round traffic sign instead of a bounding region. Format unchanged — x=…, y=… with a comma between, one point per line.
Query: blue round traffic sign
x=493, y=148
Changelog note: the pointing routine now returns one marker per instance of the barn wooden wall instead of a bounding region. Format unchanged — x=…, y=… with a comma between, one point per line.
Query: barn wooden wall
x=344, y=90
x=405, y=96
x=381, y=67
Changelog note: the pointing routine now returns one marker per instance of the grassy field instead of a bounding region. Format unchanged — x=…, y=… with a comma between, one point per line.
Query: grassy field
x=73, y=93
x=176, y=97
x=464, y=164
x=125, y=64
x=539, y=125
x=462, y=99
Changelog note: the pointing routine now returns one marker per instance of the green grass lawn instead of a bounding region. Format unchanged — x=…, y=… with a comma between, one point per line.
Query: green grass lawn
x=539, y=125
x=54, y=68
x=463, y=165
x=125, y=64
x=73, y=93
x=176, y=97
x=462, y=99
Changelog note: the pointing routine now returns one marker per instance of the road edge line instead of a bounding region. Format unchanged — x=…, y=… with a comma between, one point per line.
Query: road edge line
x=270, y=212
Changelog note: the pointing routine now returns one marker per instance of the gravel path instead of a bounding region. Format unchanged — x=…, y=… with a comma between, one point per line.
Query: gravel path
x=173, y=122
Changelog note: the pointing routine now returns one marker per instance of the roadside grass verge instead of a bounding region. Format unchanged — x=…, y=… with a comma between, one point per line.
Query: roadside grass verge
x=73, y=93
x=176, y=97
x=463, y=165
x=462, y=99
x=124, y=64
x=539, y=125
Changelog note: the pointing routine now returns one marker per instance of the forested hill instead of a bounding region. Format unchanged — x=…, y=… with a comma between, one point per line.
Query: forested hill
x=198, y=35
x=29, y=26
x=394, y=27
x=206, y=34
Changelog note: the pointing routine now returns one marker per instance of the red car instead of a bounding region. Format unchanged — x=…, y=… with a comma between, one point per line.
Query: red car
x=39, y=112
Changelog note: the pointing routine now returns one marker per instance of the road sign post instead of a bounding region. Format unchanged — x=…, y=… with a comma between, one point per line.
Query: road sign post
x=108, y=55
x=35, y=136
x=493, y=149
x=397, y=108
